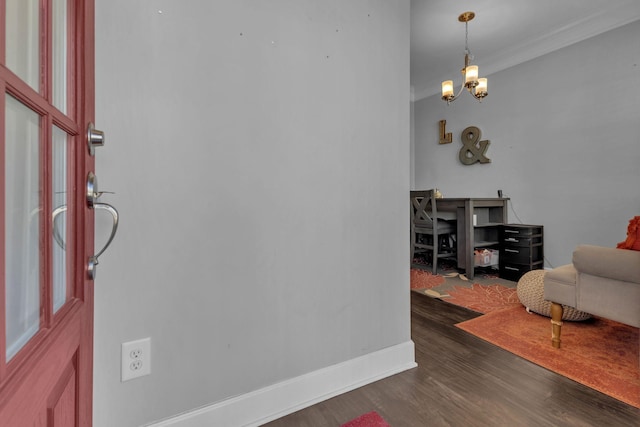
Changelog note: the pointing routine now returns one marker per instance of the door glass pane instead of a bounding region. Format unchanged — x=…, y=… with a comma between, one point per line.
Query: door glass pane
x=23, y=40
x=60, y=233
x=60, y=55
x=22, y=224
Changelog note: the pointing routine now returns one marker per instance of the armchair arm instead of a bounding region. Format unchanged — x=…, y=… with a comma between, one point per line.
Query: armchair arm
x=612, y=263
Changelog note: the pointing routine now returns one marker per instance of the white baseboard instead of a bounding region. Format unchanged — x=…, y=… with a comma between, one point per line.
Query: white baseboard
x=270, y=403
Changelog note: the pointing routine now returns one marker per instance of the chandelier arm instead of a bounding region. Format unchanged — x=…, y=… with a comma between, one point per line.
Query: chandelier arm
x=454, y=97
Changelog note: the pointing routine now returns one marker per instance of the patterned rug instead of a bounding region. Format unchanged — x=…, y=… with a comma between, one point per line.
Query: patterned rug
x=599, y=353
x=371, y=419
x=484, y=294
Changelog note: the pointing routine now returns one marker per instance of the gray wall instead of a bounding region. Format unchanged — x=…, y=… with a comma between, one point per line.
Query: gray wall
x=565, y=145
x=259, y=153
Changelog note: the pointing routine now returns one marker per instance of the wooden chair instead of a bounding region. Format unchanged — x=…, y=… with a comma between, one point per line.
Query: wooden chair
x=428, y=232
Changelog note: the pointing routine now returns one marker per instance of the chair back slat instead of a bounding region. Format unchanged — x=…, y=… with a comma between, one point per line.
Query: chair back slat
x=424, y=208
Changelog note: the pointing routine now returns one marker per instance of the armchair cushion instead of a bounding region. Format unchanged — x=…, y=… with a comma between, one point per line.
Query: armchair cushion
x=606, y=262
x=560, y=285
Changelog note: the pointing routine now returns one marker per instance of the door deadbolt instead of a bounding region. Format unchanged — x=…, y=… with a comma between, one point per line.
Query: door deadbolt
x=95, y=138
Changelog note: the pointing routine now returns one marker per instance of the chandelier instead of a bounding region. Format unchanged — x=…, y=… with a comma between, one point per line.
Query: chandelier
x=476, y=86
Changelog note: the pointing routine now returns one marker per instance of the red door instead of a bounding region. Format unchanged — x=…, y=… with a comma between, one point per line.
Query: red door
x=46, y=223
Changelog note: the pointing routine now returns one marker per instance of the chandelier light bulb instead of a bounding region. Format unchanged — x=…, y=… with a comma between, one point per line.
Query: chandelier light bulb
x=447, y=89
x=482, y=87
x=471, y=76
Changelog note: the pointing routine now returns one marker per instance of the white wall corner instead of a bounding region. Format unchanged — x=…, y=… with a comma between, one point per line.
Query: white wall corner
x=275, y=401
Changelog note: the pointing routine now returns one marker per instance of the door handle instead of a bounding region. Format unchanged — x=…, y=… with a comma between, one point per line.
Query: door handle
x=114, y=228
x=95, y=138
x=93, y=261
x=92, y=189
x=92, y=196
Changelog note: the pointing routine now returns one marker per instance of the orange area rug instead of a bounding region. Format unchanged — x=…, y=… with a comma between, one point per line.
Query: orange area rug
x=422, y=280
x=599, y=353
x=484, y=298
x=483, y=294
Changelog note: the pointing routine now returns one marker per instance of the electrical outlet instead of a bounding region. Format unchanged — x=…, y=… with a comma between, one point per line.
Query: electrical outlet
x=136, y=359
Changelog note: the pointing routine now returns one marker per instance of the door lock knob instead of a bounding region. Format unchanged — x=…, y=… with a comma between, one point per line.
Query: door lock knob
x=95, y=138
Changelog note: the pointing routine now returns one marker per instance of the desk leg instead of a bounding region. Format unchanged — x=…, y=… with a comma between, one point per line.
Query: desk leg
x=469, y=237
x=461, y=240
x=465, y=240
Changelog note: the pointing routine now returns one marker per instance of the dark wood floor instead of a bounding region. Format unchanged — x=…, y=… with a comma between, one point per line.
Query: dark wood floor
x=464, y=381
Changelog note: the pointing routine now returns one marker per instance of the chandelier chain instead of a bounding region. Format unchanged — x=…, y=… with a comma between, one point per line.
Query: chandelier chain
x=466, y=37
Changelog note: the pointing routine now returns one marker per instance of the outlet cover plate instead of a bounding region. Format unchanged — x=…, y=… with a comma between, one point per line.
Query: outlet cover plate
x=135, y=359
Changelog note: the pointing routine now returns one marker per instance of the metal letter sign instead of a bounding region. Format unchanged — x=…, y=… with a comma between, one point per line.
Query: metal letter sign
x=473, y=149
x=445, y=138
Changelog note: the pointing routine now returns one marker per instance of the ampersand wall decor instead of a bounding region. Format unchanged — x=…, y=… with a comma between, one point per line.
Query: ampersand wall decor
x=473, y=149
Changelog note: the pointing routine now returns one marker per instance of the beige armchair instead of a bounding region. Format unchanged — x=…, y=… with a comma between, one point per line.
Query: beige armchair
x=601, y=281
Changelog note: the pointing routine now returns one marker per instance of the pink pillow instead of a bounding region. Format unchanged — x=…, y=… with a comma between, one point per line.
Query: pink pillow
x=371, y=419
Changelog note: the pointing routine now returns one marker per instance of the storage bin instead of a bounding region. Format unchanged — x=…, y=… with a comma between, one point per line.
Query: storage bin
x=486, y=257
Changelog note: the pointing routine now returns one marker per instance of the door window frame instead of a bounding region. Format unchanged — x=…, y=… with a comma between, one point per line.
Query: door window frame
x=80, y=110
